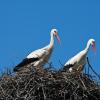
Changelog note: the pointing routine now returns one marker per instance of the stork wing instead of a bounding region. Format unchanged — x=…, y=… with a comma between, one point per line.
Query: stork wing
x=38, y=53
x=70, y=65
x=26, y=61
x=67, y=66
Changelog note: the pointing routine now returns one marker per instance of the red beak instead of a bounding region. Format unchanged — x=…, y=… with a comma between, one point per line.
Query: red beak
x=58, y=38
x=94, y=47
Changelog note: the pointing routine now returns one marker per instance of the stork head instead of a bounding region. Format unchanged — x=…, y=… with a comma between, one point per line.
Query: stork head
x=92, y=43
x=55, y=33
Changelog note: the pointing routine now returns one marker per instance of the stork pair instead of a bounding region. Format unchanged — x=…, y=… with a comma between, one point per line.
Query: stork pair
x=41, y=56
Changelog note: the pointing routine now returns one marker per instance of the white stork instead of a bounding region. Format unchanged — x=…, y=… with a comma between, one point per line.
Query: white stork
x=79, y=60
x=41, y=56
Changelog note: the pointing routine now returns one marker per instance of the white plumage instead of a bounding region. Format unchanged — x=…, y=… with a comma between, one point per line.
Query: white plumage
x=41, y=56
x=79, y=60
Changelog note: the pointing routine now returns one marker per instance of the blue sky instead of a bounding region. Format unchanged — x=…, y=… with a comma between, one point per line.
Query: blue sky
x=25, y=26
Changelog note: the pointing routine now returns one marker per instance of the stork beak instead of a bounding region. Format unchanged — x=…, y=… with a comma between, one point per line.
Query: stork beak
x=94, y=47
x=58, y=38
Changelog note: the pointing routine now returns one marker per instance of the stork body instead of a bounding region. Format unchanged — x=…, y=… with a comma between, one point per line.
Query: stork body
x=79, y=60
x=41, y=56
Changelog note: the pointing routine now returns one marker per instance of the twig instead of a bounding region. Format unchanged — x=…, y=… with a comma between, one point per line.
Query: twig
x=83, y=83
x=43, y=93
x=61, y=64
x=92, y=68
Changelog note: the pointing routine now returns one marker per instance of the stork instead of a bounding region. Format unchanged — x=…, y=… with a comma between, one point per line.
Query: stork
x=79, y=60
x=41, y=56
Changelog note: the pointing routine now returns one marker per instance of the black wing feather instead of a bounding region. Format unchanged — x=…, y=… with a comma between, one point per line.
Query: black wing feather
x=26, y=61
x=69, y=66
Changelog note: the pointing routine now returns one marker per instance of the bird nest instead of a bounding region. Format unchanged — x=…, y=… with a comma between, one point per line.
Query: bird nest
x=48, y=84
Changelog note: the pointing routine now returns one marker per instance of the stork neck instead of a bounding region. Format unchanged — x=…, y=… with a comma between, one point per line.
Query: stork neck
x=52, y=41
x=87, y=47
